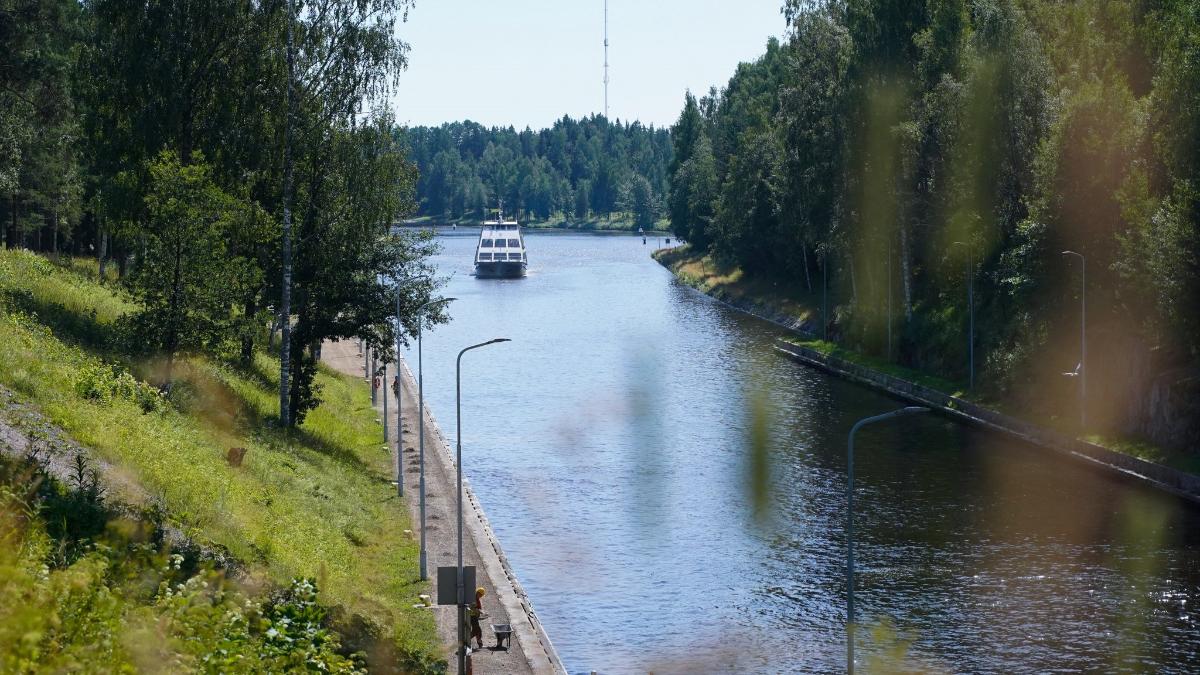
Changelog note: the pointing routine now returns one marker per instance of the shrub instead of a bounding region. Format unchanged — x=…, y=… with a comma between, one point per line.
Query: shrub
x=107, y=382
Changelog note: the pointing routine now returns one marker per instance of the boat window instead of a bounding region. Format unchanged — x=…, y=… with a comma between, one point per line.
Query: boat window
x=499, y=243
x=514, y=243
x=487, y=243
x=485, y=256
x=514, y=256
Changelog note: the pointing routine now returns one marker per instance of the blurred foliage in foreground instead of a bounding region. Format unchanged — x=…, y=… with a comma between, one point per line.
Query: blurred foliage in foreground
x=905, y=149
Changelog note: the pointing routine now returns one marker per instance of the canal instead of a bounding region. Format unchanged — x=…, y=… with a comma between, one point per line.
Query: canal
x=609, y=444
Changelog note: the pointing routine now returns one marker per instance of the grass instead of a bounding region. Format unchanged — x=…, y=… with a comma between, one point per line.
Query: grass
x=731, y=284
x=887, y=367
x=1148, y=451
x=314, y=502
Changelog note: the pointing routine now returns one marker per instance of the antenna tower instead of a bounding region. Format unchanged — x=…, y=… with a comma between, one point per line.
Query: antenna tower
x=606, y=59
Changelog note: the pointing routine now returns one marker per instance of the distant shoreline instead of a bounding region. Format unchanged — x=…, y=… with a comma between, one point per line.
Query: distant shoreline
x=540, y=227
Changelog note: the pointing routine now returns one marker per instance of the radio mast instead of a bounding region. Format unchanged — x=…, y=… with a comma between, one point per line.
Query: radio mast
x=605, y=59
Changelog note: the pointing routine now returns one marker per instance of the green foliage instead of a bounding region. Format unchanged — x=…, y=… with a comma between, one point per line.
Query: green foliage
x=285, y=512
x=152, y=133
x=574, y=168
x=638, y=198
x=103, y=383
x=124, y=606
x=182, y=283
x=219, y=630
x=693, y=176
x=38, y=171
x=906, y=150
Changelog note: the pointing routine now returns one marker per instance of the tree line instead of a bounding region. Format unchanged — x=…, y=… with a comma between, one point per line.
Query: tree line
x=895, y=153
x=235, y=160
x=576, y=169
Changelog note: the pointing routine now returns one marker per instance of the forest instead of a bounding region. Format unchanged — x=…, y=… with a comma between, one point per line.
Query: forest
x=213, y=152
x=575, y=170
x=904, y=163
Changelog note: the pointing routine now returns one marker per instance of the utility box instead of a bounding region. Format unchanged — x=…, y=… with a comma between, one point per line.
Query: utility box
x=447, y=584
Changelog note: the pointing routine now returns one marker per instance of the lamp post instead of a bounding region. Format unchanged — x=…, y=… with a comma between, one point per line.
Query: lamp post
x=462, y=602
x=825, y=290
x=1081, y=369
x=910, y=410
x=889, y=298
x=971, y=312
x=421, y=429
x=399, y=397
x=374, y=370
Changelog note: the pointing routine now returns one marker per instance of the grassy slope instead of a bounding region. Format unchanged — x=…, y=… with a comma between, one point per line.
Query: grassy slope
x=731, y=284
x=315, y=503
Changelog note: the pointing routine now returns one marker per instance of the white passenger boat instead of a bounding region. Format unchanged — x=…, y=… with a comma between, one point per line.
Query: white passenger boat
x=501, y=250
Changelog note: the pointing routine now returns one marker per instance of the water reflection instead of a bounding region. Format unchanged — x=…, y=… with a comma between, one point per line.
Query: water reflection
x=609, y=445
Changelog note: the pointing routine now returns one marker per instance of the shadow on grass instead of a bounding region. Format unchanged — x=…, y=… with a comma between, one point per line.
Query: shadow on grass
x=82, y=328
x=212, y=401
x=252, y=419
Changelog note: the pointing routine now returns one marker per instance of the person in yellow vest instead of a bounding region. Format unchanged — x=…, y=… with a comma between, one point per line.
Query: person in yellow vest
x=477, y=614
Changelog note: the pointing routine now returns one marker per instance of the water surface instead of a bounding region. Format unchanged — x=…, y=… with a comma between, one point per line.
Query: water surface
x=607, y=443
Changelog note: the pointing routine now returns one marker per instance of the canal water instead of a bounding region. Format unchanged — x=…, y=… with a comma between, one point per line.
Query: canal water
x=611, y=444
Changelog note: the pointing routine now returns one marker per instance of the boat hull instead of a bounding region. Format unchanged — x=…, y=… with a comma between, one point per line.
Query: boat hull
x=500, y=270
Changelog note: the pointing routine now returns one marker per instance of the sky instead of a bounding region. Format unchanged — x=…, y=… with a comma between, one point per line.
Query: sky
x=529, y=62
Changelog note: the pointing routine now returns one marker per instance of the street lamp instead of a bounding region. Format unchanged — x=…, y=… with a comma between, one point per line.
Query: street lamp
x=462, y=602
x=825, y=290
x=971, y=310
x=401, y=283
x=421, y=428
x=910, y=410
x=374, y=372
x=1081, y=369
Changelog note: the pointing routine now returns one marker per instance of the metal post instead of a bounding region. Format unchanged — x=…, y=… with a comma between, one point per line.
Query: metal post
x=421, y=449
x=971, y=307
x=1082, y=339
x=969, y=275
x=421, y=431
x=825, y=291
x=850, y=523
x=1083, y=369
x=383, y=380
x=889, y=299
x=399, y=417
x=399, y=395
x=374, y=389
x=461, y=596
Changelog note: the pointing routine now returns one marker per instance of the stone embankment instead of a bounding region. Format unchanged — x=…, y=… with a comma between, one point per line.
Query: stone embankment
x=1181, y=483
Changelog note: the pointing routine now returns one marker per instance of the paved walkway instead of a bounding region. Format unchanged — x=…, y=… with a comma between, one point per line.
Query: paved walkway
x=505, y=601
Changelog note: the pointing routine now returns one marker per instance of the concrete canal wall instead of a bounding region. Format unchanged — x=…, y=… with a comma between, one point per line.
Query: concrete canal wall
x=539, y=652
x=1177, y=482
x=531, y=651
